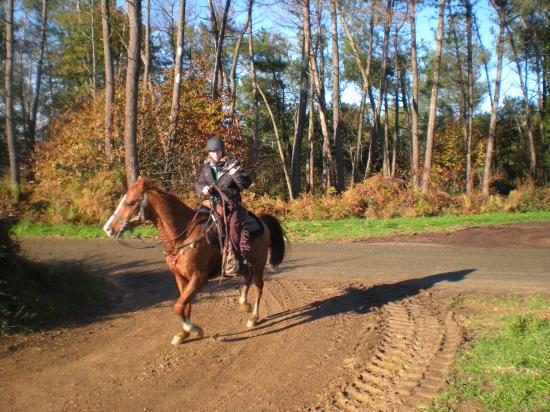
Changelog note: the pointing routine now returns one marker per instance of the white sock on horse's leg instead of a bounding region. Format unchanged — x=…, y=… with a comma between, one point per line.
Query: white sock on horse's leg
x=188, y=326
x=244, y=292
x=256, y=312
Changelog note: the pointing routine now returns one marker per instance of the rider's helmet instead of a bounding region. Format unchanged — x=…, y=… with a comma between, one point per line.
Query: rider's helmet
x=214, y=143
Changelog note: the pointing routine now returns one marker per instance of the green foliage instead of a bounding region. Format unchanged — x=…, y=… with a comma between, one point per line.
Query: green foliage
x=505, y=366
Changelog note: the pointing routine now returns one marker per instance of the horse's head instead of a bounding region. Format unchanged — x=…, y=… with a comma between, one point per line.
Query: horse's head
x=130, y=211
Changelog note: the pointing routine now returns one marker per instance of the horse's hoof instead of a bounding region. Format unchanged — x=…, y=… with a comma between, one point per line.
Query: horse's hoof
x=251, y=323
x=245, y=307
x=179, y=338
x=197, y=332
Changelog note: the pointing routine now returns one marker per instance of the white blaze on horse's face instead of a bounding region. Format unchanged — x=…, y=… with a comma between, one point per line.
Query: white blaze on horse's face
x=108, y=227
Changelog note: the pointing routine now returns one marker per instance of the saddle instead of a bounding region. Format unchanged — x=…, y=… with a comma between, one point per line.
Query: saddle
x=251, y=221
x=216, y=232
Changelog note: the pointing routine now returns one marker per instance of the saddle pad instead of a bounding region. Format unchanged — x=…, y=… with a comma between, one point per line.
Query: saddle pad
x=252, y=223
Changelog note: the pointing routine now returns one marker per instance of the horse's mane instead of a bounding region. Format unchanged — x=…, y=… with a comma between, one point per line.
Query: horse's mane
x=171, y=198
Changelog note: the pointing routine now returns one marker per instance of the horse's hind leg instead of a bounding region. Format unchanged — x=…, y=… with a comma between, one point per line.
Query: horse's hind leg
x=258, y=288
x=243, y=303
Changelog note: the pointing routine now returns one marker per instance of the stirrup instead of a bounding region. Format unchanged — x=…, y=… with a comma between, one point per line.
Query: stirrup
x=232, y=270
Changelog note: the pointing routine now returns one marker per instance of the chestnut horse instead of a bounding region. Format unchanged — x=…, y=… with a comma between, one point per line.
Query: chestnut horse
x=189, y=253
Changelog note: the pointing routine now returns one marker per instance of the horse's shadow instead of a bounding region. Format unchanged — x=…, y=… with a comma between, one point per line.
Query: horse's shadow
x=354, y=299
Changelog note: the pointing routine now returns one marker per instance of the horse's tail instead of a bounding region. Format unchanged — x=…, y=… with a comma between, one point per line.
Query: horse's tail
x=278, y=239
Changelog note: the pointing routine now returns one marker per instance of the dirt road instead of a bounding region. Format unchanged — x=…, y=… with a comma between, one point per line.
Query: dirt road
x=352, y=326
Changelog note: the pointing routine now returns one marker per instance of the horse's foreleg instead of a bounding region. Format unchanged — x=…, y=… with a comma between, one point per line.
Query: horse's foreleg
x=243, y=304
x=182, y=308
x=258, y=286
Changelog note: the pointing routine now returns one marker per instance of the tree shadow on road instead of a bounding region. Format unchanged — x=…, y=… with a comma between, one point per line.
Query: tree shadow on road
x=353, y=299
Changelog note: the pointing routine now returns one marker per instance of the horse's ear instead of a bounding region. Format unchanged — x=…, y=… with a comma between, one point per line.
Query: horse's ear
x=141, y=182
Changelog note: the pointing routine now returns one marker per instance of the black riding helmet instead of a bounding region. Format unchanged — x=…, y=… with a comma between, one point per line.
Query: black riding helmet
x=214, y=143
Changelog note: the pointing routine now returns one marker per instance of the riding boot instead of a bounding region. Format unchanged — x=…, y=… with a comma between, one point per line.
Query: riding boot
x=231, y=264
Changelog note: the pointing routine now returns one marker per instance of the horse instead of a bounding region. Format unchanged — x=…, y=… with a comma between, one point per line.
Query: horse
x=190, y=254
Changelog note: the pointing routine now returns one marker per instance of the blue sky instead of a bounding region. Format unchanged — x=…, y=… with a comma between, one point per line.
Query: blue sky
x=273, y=16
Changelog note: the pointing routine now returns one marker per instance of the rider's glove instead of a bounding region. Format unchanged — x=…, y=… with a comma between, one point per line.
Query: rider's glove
x=206, y=189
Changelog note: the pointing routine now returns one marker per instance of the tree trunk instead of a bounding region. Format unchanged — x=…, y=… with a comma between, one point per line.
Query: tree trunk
x=426, y=180
x=176, y=92
x=414, y=104
x=279, y=145
x=336, y=122
x=147, y=50
x=358, y=149
x=255, y=134
x=38, y=79
x=233, y=71
x=470, y=69
x=386, y=172
x=318, y=75
x=94, y=63
x=109, y=80
x=365, y=74
x=310, y=142
x=8, y=73
x=463, y=98
x=486, y=67
x=494, y=107
x=132, y=91
x=296, y=169
x=528, y=110
x=396, y=96
x=382, y=90
x=219, y=50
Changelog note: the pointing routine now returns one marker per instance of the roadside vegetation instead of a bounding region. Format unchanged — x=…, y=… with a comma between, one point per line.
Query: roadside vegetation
x=504, y=363
x=311, y=231
x=35, y=294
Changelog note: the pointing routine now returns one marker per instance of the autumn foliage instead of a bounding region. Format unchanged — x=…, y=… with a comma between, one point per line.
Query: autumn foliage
x=73, y=180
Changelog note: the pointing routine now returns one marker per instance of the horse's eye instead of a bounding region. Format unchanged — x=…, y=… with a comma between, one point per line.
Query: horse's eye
x=130, y=204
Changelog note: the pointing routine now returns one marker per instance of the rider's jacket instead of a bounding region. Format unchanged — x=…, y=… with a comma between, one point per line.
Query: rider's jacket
x=228, y=175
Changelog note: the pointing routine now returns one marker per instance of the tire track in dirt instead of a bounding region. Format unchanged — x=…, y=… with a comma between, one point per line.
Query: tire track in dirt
x=351, y=346
x=417, y=342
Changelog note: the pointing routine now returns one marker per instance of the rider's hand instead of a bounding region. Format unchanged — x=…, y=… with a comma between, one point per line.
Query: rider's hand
x=206, y=189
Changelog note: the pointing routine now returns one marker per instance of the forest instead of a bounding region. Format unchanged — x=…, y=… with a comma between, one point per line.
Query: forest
x=404, y=107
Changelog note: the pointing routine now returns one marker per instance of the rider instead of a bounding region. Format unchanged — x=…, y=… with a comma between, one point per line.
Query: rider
x=230, y=178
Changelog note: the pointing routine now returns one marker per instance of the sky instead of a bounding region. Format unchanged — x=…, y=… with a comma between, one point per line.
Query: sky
x=273, y=16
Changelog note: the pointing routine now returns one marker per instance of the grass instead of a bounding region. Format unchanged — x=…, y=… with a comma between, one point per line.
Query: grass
x=35, y=294
x=505, y=364
x=315, y=231
x=325, y=230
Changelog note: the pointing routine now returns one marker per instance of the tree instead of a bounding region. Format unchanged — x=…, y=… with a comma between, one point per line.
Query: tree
x=500, y=8
x=176, y=92
x=470, y=69
x=219, y=49
x=38, y=79
x=317, y=72
x=336, y=126
x=109, y=80
x=528, y=110
x=302, y=105
x=255, y=141
x=415, y=166
x=132, y=91
x=147, y=49
x=433, y=101
x=8, y=74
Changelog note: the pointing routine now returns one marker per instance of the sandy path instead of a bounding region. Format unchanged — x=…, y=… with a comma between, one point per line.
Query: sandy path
x=351, y=326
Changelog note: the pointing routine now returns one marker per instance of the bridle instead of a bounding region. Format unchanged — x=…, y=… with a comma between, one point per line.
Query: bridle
x=141, y=216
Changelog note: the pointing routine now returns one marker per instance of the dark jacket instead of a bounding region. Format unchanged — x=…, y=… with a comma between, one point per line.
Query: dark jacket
x=231, y=178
